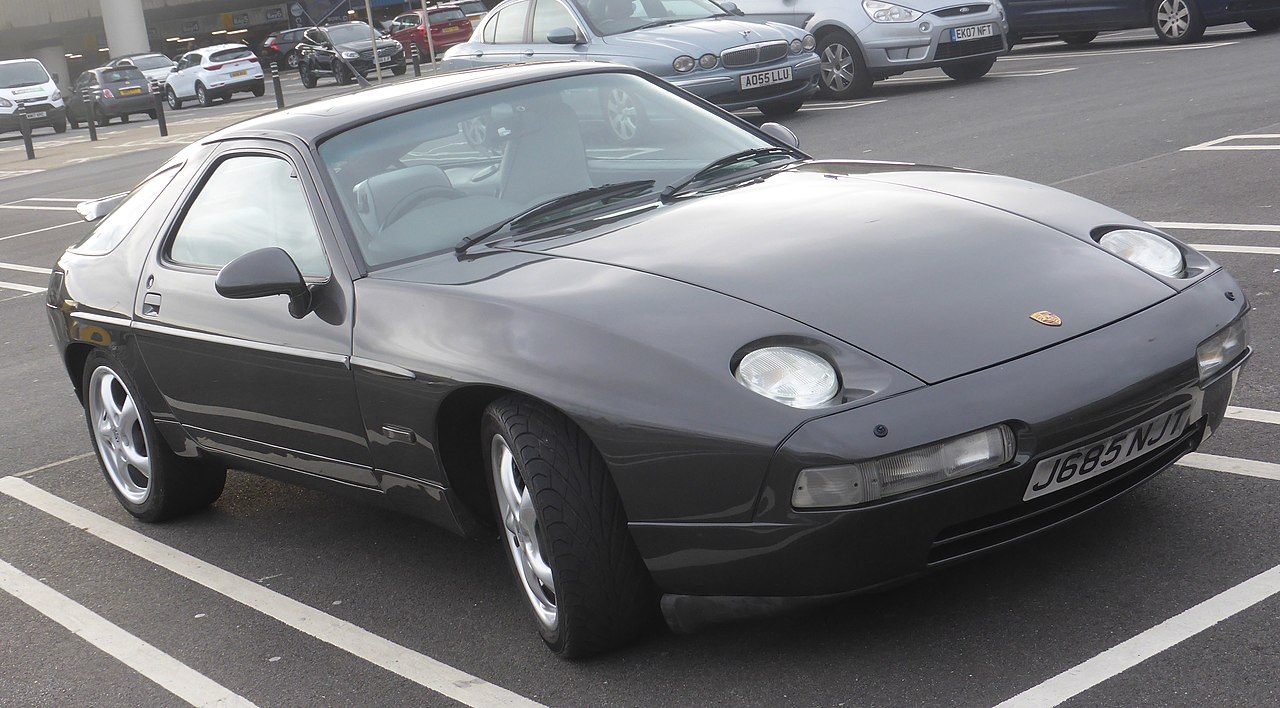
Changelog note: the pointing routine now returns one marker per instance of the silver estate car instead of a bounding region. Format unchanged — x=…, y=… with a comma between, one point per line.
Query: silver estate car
x=862, y=41
x=702, y=47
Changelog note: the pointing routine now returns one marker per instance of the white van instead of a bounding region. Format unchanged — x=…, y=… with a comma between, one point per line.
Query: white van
x=25, y=82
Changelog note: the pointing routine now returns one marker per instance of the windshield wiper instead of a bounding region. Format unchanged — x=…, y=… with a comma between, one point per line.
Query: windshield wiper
x=604, y=192
x=726, y=161
x=658, y=23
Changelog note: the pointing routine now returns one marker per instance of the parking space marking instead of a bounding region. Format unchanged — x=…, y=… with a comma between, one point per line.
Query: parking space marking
x=1220, y=248
x=51, y=465
x=1113, y=52
x=28, y=207
x=24, y=268
x=993, y=75
x=419, y=668
x=5, y=174
x=1130, y=653
x=838, y=105
x=21, y=288
x=167, y=672
x=1191, y=226
x=39, y=231
x=1256, y=415
x=1219, y=143
x=1232, y=465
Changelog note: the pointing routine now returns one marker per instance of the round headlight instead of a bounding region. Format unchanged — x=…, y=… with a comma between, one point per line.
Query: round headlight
x=1145, y=250
x=683, y=63
x=788, y=375
x=810, y=42
x=707, y=61
x=797, y=46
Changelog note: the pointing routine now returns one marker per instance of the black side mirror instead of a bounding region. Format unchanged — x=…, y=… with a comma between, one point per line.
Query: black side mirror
x=732, y=9
x=563, y=35
x=173, y=69
x=266, y=271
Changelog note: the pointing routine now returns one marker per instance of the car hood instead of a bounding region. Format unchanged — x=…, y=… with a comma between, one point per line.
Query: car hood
x=698, y=37
x=366, y=44
x=935, y=284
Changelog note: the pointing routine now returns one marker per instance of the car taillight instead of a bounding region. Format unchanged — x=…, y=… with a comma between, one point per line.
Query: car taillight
x=274, y=47
x=106, y=93
x=213, y=67
x=253, y=60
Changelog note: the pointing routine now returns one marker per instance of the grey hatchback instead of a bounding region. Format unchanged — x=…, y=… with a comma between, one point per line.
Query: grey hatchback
x=697, y=45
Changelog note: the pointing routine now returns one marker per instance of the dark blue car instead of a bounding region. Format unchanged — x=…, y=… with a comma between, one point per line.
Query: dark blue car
x=1175, y=21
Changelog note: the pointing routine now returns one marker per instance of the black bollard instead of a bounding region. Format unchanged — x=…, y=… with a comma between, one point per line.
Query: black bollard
x=275, y=84
x=417, y=65
x=92, y=120
x=159, y=98
x=24, y=126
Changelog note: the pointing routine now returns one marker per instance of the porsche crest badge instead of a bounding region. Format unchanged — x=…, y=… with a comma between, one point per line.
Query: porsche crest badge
x=1045, y=317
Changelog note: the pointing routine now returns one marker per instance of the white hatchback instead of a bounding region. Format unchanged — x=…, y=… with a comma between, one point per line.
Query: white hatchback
x=214, y=72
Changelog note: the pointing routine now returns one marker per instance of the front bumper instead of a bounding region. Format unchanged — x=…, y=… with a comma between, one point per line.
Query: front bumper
x=722, y=87
x=893, y=48
x=1056, y=400
x=365, y=66
x=52, y=115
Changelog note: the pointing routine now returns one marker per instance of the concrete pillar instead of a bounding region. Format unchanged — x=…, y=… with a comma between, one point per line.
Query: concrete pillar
x=53, y=60
x=126, y=27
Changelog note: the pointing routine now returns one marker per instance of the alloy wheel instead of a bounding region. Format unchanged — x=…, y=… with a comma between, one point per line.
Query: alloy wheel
x=291, y=60
x=837, y=67
x=119, y=434
x=1173, y=18
x=623, y=114
x=522, y=532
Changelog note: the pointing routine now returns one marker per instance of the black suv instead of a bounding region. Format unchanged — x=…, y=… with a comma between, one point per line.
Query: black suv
x=280, y=47
x=344, y=50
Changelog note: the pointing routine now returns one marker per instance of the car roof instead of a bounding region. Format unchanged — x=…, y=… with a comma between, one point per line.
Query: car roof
x=135, y=55
x=19, y=61
x=316, y=120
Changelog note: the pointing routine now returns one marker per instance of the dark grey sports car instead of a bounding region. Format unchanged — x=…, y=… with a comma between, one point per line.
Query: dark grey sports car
x=698, y=371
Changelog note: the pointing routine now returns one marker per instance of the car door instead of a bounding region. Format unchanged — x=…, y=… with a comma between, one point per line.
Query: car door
x=503, y=38
x=404, y=31
x=183, y=80
x=244, y=376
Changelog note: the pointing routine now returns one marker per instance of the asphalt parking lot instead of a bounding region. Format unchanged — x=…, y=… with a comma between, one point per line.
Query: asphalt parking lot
x=283, y=596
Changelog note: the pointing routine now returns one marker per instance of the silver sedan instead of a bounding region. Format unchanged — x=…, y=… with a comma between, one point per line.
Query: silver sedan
x=697, y=45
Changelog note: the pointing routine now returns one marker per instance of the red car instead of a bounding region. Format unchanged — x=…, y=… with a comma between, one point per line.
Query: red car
x=449, y=26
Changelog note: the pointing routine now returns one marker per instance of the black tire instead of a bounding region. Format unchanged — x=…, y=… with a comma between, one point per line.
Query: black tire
x=151, y=114
x=844, y=72
x=203, y=97
x=603, y=596
x=75, y=124
x=625, y=115
x=1271, y=24
x=970, y=69
x=398, y=69
x=291, y=60
x=781, y=109
x=172, y=98
x=60, y=126
x=260, y=90
x=342, y=74
x=1177, y=21
x=308, y=79
x=102, y=120
x=125, y=439
x=1078, y=37
x=124, y=118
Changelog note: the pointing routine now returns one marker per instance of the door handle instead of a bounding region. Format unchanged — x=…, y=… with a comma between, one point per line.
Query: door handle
x=529, y=53
x=151, y=305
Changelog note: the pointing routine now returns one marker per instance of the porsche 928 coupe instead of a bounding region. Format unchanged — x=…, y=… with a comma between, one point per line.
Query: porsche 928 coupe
x=700, y=375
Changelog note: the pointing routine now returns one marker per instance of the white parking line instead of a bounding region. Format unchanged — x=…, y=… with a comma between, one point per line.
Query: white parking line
x=1214, y=227
x=5, y=174
x=1233, y=465
x=838, y=105
x=21, y=288
x=51, y=465
x=1256, y=415
x=1218, y=144
x=1112, y=52
x=419, y=668
x=1128, y=654
x=169, y=673
x=40, y=231
x=36, y=208
x=993, y=75
x=1220, y=248
x=24, y=268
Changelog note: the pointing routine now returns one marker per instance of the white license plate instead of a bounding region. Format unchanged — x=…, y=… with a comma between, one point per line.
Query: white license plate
x=37, y=114
x=960, y=34
x=765, y=78
x=242, y=72
x=1092, y=460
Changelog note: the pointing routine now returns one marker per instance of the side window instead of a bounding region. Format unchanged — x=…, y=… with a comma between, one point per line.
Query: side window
x=549, y=15
x=510, y=24
x=249, y=202
x=115, y=226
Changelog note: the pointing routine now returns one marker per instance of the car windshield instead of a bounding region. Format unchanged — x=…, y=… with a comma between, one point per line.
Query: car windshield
x=230, y=54
x=152, y=61
x=124, y=74
x=349, y=33
x=618, y=16
x=422, y=181
x=23, y=73
x=442, y=16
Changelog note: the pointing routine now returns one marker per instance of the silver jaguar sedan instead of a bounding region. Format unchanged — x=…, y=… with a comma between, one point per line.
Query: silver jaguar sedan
x=697, y=45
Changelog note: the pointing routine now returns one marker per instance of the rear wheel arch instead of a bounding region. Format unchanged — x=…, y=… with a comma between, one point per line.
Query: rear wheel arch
x=76, y=355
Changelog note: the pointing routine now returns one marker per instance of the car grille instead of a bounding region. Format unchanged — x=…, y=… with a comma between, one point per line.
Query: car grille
x=383, y=52
x=951, y=50
x=753, y=54
x=32, y=99
x=1029, y=517
x=962, y=10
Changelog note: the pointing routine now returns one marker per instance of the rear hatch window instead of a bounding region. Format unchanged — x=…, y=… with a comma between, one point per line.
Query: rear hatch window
x=230, y=55
x=123, y=75
x=443, y=16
